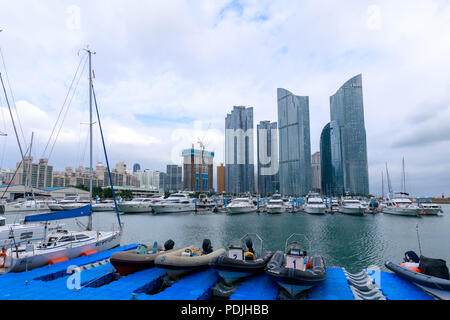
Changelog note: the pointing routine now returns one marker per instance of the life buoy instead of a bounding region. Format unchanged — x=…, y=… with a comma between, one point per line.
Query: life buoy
x=3, y=254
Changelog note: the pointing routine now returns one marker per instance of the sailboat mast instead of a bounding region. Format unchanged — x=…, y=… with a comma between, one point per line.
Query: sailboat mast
x=89, y=227
x=403, y=177
x=382, y=185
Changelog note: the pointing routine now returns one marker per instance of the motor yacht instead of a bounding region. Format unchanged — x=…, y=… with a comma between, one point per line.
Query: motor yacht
x=428, y=207
x=276, y=204
x=105, y=205
x=177, y=202
x=68, y=203
x=314, y=204
x=24, y=205
x=137, y=205
x=241, y=205
x=402, y=206
x=352, y=207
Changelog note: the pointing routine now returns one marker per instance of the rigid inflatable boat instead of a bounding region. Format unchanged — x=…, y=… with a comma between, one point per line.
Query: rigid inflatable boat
x=190, y=259
x=294, y=271
x=126, y=262
x=430, y=274
x=238, y=263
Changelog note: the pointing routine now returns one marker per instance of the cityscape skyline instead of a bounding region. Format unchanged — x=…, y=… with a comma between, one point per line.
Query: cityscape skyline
x=155, y=100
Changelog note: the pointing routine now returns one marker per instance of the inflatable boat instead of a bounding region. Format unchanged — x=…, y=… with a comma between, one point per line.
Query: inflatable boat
x=126, y=262
x=293, y=270
x=238, y=263
x=432, y=275
x=190, y=259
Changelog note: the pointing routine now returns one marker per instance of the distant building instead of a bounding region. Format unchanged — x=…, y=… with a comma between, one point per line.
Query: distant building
x=267, y=142
x=295, y=144
x=37, y=175
x=136, y=167
x=315, y=172
x=174, y=177
x=198, y=170
x=239, y=158
x=326, y=168
x=221, y=178
x=348, y=138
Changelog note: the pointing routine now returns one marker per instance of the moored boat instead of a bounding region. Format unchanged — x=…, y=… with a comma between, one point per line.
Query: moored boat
x=177, y=202
x=430, y=274
x=241, y=205
x=189, y=260
x=314, y=204
x=276, y=205
x=352, y=207
x=238, y=263
x=126, y=262
x=294, y=270
x=402, y=206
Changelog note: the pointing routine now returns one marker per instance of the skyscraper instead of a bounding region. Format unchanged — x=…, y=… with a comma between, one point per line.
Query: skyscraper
x=198, y=170
x=239, y=159
x=220, y=178
x=315, y=172
x=326, y=169
x=174, y=177
x=267, y=142
x=348, y=138
x=295, y=145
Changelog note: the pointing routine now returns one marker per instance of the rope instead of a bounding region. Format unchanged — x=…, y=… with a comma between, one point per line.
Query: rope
x=62, y=107
x=106, y=158
x=67, y=109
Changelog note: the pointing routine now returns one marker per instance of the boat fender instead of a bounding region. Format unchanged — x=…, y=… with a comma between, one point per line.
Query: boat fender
x=249, y=256
x=3, y=254
x=169, y=244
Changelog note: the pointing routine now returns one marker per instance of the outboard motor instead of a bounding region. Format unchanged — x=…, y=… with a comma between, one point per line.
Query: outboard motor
x=249, y=244
x=411, y=256
x=207, y=247
x=169, y=244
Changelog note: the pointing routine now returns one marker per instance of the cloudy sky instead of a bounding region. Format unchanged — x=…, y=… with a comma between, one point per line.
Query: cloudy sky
x=168, y=72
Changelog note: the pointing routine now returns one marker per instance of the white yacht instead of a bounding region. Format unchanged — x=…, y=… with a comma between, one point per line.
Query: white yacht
x=58, y=246
x=24, y=205
x=430, y=208
x=402, y=206
x=105, y=205
x=276, y=204
x=352, y=207
x=68, y=203
x=136, y=205
x=17, y=233
x=314, y=204
x=241, y=205
x=177, y=202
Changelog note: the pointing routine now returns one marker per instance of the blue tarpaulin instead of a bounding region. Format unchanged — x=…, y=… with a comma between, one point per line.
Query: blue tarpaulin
x=59, y=215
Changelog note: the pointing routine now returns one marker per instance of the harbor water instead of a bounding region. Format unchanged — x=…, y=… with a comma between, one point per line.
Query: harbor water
x=351, y=242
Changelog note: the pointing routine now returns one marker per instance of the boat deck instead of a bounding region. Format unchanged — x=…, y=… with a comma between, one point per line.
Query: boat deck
x=98, y=280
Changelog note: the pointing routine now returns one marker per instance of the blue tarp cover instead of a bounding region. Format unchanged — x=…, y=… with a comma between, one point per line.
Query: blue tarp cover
x=59, y=215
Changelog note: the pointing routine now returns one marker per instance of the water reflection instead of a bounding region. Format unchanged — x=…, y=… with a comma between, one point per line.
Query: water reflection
x=347, y=241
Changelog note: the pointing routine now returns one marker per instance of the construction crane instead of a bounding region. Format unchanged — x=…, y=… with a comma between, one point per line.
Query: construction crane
x=202, y=149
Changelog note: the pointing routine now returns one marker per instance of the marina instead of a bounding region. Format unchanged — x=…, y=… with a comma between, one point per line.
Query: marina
x=100, y=280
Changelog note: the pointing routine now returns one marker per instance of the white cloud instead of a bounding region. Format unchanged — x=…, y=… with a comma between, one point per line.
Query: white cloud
x=185, y=61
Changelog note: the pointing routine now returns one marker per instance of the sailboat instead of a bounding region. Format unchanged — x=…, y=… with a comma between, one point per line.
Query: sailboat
x=399, y=203
x=62, y=244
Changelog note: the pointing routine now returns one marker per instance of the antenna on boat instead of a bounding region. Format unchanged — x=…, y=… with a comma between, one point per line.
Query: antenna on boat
x=418, y=238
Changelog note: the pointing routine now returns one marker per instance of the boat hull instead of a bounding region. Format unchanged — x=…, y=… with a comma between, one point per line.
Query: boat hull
x=352, y=211
x=276, y=210
x=240, y=210
x=133, y=208
x=315, y=210
x=109, y=241
x=402, y=212
x=173, y=208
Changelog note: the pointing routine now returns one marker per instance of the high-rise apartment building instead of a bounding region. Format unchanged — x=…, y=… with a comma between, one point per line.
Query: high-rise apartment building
x=267, y=142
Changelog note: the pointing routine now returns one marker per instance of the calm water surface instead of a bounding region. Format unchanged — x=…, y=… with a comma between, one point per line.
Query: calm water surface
x=347, y=241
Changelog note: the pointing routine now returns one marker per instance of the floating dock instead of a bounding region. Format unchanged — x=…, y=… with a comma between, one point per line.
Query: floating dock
x=96, y=279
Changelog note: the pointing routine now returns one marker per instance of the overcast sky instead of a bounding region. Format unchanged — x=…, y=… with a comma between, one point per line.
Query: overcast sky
x=168, y=72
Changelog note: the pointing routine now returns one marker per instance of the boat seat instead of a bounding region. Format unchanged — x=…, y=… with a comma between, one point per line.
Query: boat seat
x=236, y=253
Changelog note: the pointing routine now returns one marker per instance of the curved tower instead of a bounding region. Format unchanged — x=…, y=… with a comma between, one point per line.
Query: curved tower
x=348, y=138
x=326, y=169
x=294, y=144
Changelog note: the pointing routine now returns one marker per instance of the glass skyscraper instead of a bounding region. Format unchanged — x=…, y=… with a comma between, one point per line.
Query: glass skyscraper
x=174, y=177
x=239, y=158
x=348, y=139
x=326, y=168
x=267, y=142
x=295, y=144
